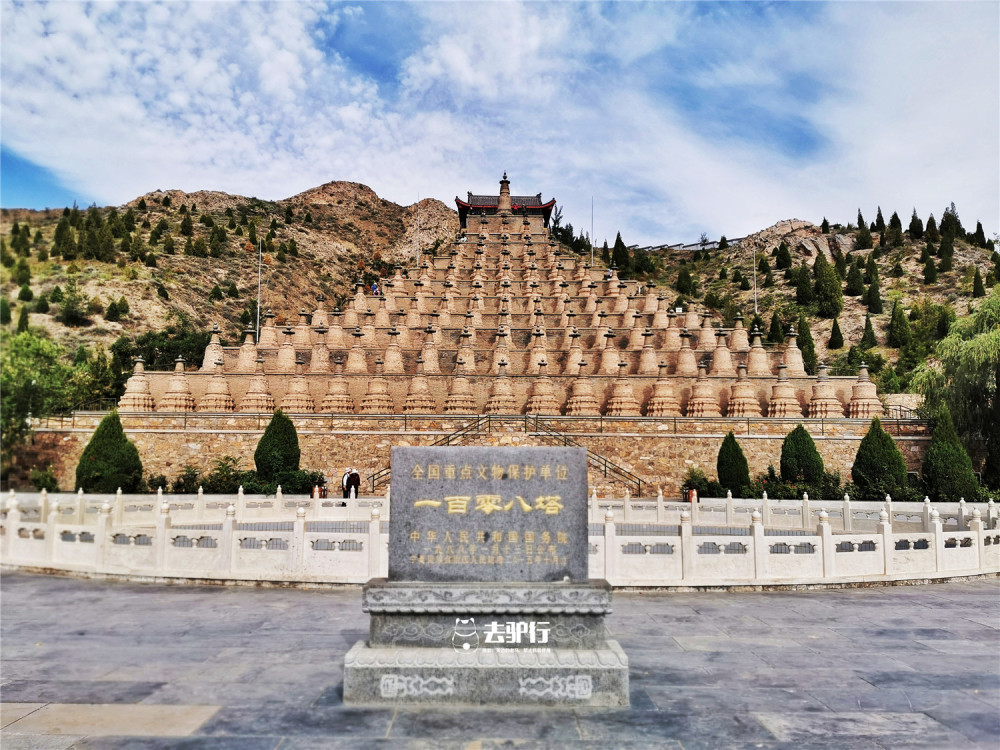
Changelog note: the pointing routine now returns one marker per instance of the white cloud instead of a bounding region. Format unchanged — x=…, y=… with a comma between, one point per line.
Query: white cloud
x=571, y=99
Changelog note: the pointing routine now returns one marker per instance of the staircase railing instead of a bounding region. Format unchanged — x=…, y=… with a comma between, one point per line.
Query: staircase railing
x=532, y=423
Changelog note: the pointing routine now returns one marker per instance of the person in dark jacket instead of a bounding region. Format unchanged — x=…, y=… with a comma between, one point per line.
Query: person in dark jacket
x=343, y=482
x=354, y=483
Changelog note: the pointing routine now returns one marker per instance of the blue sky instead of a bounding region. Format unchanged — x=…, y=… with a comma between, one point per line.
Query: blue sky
x=677, y=118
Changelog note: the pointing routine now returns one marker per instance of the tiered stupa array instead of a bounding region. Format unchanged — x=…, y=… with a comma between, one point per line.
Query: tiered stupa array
x=504, y=322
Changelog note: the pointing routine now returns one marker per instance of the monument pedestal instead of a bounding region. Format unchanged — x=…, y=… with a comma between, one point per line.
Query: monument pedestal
x=498, y=643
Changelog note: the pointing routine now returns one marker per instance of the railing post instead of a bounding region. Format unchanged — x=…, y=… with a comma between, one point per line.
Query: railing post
x=885, y=531
x=610, y=547
x=846, y=514
x=938, y=532
x=13, y=521
x=976, y=528
x=765, y=509
x=826, y=547
x=119, y=508
x=927, y=514
x=160, y=538
x=227, y=540
x=759, y=546
x=660, y=510
x=806, y=511
x=375, y=543
x=102, y=537
x=991, y=514
x=687, y=547
x=299, y=541
x=962, y=525
x=50, y=531
x=730, y=508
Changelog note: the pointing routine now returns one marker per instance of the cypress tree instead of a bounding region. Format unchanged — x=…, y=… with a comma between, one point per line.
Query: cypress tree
x=978, y=290
x=799, y=458
x=684, y=283
x=873, y=297
x=879, y=221
x=930, y=272
x=763, y=267
x=926, y=253
x=947, y=469
x=807, y=345
x=775, y=334
x=825, y=226
x=605, y=254
x=732, y=467
x=215, y=294
x=803, y=285
x=899, y=327
x=979, y=237
x=868, y=339
x=620, y=256
x=22, y=319
x=916, y=227
x=861, y=219
x=829, y=296
x=879, y=468
x=768, y=280
x=110, y=460
x=855, y=282
x=863, y=240
x=836, y=337
x=24, y=294
x=278, y=449
x=4, y=311
x=783, y=257
x=931, y=231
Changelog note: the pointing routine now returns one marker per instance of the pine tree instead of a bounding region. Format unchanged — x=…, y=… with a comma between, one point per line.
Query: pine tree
x=232, y=291
x=775, y=334
x=861, y=220
x=868, y=340
x=4, y=311
x=606, y=254
x=947, y=469
x=22, y=319
x=109, y=461
x=930, y=272
x=916, y=227
x=768, y=280
x=879, y=468
x=836, y=337
x=825, y=226
x=803, y=285
x=931, y=232
x=216, y=294
x=879, y=221
x=763, y=266
x=899, y=327
x=187, y=226
x=112, y=314
x=978, y=290
x=897, y=270
x=829, y=296
x=620, y=256
x=731, y=466
x=979, y=238
x=807, y=345
x=800, y=461
x=25, y=294
x=289, y=215
x=278, y=449
x=863, y=240
x=783, y=258
x=926, y=253
x=42, y=305
x=684, y=283
x=873, y=297
x=855, y=282
x=723, y=243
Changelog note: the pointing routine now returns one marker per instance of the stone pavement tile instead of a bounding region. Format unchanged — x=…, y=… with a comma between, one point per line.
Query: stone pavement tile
x=77, y=691
x=252, y=692
x=113, y=719
x=66, y=669
x=10, y=712
x=863, y=698
x=692, y=731
x=724, y=699
x=951, y=646
x=936, y=680
x=321, y=721
x=822, y=660
x=179, y=743
x=990, y=696
x=166, y=671
x=929, y=698
x=475, y=723
x=970, y=720
x=666, y=676
x=985, y=620
x=37, y=741
x=890, y=729
x=725, y=643
x=398, y=743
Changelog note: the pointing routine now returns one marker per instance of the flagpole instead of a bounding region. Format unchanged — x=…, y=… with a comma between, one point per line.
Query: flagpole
x=260, y=251
x=591, y=231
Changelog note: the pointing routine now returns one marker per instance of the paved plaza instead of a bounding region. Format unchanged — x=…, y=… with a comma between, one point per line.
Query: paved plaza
x=98, y=664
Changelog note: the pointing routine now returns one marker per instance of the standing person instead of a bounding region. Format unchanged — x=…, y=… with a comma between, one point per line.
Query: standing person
x=354, y=482
x=343, y=482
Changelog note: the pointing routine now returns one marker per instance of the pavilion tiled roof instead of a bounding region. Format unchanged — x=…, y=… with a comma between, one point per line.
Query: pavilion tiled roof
x=517, y=200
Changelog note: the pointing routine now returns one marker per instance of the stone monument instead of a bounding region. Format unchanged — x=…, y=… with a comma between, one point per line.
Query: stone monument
x=488, y=599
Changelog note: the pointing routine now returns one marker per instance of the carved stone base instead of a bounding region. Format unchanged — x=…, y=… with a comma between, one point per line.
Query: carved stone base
x=484, y=676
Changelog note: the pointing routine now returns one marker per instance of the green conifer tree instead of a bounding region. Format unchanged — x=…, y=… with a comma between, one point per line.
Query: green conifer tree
x=899, y=333
x=947, y=469
x=879, y=221
x=109, y=461
x=783, y=257
x=916, y=227
x=825, y=226
x=868, y=339
x=807, y=345
x=4, y=311
x=732, y=467
x=836, y=337
x=931, y=231
x=930, y=272
x=803, y=285
x=278, y=449
x=800, y=461
x=775, y=333
x=829, y=296
x=216, y=294
x=863, y=240
x=855, y=282
x=879, y=468
x=978, y=290
x=873, y=297
x=22, y=319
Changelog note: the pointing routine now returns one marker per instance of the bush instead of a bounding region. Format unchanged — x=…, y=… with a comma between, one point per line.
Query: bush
x=879, y=468
x=299, y=482
x=187, y=483
x=947, y=469
x=5, y=317
x=44, y=479
x=110, y=460
x=25, y=294
x=800, y=461
x=731, y=465
x=696, y=480
x=278, y=449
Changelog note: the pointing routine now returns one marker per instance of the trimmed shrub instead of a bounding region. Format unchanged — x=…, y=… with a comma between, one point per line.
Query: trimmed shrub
x=731, y=465
x=800, y=461
x=947, y=469
x=879, y=468
x=278, y=449
x=110, y=460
